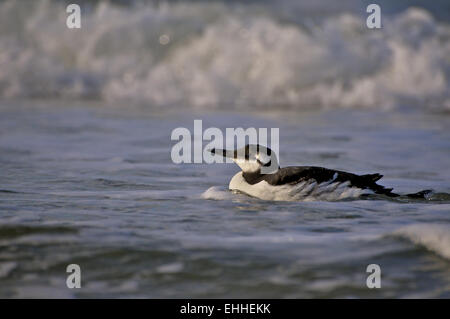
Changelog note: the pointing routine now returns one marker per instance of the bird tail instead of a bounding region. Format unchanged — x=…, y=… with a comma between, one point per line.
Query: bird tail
x=388, y=191
x=420, y=195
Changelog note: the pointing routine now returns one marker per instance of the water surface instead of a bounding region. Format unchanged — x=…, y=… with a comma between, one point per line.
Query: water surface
x=95, y=186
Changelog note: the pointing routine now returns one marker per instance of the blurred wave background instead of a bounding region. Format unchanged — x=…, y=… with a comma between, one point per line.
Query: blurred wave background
x=229, y=54
x=86, y=117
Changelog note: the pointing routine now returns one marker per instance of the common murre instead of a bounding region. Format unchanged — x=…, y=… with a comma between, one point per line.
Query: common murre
x=296, y=183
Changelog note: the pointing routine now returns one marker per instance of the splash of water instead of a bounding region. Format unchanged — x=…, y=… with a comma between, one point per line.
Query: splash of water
x=210, y=55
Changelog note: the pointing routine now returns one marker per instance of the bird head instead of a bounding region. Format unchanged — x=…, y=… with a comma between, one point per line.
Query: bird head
x=252, y=158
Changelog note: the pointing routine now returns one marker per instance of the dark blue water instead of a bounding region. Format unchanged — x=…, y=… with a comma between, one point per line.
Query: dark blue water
x=95, y=186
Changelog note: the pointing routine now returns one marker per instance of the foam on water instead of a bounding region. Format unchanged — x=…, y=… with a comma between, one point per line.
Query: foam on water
x=217, y=193
x=213, y=55
x=434, y=237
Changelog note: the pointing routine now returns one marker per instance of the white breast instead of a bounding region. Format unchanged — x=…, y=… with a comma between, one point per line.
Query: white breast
x=303, y=191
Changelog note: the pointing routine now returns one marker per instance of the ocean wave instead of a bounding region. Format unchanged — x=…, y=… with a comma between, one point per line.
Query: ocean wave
x=433, y=237
x=212, y=55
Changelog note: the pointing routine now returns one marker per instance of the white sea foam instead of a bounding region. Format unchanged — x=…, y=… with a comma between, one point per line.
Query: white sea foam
x=170, y=268
x=214, y=56
x=217, y=193
x=434, y=237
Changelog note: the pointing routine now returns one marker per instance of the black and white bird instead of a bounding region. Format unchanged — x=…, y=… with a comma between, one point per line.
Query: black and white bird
x=262, y=177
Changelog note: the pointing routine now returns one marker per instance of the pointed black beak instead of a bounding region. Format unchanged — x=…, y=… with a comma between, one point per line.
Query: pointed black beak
x=224, y=153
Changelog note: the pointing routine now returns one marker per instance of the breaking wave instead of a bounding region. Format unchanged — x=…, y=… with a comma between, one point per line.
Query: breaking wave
x=213, y=55
x=433, y=237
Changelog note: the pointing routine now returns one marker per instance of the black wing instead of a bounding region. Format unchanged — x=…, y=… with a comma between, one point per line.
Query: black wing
x=297, y=174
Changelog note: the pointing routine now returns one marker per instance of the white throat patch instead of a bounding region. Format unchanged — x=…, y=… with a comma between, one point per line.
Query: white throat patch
x=248, y=166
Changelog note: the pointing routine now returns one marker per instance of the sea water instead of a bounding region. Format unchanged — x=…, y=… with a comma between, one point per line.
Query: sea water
x=97, y=188
x=86, y=175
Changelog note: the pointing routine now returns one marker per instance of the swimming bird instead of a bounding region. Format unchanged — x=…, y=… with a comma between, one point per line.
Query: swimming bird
x=262, y=177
